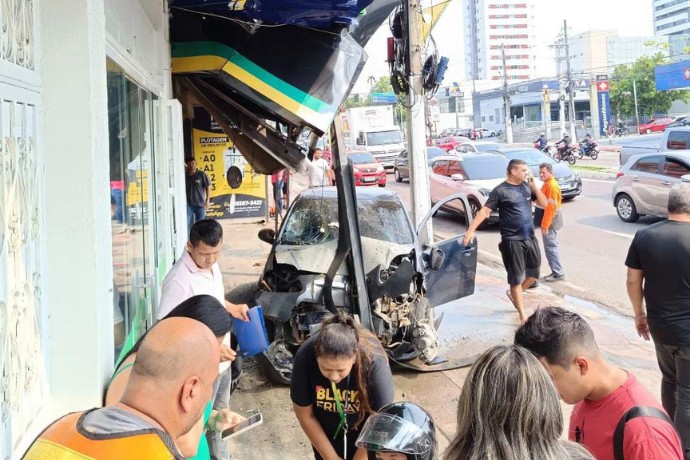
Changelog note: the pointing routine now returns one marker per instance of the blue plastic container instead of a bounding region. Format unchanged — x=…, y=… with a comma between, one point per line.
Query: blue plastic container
x=251, y=335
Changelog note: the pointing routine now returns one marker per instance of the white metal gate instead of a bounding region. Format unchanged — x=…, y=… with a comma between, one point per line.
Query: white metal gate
x=22, y=365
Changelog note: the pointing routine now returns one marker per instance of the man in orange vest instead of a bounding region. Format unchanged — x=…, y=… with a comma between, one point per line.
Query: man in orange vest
x=550, y=220
x=170, y=384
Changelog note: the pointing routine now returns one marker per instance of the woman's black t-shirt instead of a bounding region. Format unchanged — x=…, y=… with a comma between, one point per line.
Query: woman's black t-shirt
x=310, y=387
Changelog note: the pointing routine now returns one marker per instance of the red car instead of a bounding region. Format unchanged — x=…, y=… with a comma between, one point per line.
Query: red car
x=656, y=126
x=367, y=170
x=449, y=143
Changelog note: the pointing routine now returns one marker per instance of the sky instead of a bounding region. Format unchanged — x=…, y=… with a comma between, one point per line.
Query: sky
x=628, y=17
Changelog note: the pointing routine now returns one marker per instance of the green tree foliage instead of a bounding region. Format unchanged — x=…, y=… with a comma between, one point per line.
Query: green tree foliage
x=650, y=101
x=382, y=85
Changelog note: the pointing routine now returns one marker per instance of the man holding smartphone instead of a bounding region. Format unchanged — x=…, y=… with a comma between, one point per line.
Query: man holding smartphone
x=519, y=246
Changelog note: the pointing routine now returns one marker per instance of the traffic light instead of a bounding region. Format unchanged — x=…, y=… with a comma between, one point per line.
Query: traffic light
x=356, y=97
x=447, y=92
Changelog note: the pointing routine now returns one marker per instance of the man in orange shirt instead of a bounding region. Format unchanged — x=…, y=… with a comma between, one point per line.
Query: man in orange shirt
x=550, y=221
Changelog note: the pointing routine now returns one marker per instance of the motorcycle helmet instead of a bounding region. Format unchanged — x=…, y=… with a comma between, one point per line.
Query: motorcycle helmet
x=542, y=134
x=400, y=427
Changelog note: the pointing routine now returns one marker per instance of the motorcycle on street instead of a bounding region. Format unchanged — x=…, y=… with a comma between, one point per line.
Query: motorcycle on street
x=590, y=150
x=550, y=150
x=566, y=153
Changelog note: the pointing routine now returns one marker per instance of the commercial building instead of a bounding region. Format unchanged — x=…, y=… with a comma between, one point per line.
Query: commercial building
x=493, y=26
x=672, y=20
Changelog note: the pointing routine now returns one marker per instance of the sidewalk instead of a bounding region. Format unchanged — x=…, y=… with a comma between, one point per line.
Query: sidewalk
x=469, y=327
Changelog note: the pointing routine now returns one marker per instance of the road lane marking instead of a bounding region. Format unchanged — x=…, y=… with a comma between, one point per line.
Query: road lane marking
x=603, y=181
x=630, y=237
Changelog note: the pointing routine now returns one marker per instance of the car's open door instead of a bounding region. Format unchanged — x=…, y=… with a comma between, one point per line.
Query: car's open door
x=451, y=267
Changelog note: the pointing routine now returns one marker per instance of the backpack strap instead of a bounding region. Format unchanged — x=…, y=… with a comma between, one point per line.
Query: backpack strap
x=634, y=412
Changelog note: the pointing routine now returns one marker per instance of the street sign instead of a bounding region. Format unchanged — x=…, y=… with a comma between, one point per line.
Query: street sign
x=383, y=98
x=604, y=110
x=602, y=77
x=602, y=86
x=672, y=76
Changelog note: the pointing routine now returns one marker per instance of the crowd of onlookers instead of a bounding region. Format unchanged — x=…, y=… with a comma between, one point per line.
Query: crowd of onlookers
x=169, y=395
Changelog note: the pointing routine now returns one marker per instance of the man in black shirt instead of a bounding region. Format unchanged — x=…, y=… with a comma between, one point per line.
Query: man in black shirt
x=197, y=187
x=659, y=271
x=519, y=247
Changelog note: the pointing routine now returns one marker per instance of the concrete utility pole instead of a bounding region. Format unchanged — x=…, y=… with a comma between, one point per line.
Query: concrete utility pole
x=561, y=92
x=571, y=105
x=416, y=143
x=506, y=98
x=637, y=112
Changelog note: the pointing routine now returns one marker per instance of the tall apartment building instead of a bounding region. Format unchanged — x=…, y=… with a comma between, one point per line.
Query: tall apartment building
x=672, y=19
x=490, y=24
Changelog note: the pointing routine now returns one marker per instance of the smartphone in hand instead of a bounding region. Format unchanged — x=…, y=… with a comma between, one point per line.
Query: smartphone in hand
x=250, y=422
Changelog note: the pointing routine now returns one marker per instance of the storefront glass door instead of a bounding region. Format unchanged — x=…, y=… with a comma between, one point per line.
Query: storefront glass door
x=131, y=133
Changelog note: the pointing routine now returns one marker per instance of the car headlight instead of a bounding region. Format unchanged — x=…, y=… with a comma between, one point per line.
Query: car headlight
x=576, y=176
x=484, y=191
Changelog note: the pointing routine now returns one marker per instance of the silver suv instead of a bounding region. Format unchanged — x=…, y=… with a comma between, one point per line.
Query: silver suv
x=643, y=183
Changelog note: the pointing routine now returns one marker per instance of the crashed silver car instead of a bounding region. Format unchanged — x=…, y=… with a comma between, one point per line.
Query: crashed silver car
x=405, y=279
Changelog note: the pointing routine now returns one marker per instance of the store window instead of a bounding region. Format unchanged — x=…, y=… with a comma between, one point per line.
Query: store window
x=132, y=123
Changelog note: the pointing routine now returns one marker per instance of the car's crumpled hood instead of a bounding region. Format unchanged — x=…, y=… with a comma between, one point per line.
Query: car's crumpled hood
x=485, y=183
x=317, y=258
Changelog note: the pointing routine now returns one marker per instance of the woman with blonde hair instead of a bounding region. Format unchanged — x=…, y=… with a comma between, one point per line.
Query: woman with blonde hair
x=508, y=410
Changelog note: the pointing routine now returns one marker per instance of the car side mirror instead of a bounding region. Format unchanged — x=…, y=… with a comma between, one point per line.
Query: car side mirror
x=457, y=177
x=437, y=259
x=685, y=178
x=268, y=235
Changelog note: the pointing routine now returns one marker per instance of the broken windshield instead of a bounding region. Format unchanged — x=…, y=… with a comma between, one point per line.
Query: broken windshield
x=315, y=221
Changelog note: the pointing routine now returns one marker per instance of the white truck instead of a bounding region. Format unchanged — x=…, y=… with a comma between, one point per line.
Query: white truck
x=373, y=129
x=676, y=138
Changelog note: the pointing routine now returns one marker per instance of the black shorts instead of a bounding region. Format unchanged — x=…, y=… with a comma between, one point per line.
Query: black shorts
x=522, y=259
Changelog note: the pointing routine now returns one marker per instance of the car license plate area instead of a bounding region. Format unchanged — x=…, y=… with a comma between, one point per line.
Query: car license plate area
x=369, y=179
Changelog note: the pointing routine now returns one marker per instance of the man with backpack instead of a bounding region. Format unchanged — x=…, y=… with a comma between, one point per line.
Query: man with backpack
x=658, y=284
x=614, y=415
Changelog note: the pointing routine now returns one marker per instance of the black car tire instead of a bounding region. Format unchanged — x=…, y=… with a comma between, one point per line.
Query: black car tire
x=648, y=131
x=398, y=177
x=625, y=208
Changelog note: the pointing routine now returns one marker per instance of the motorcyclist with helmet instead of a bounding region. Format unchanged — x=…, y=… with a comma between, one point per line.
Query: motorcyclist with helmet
x=587, y=145
x=399, y=431
x=542, y=142
x=564, y=144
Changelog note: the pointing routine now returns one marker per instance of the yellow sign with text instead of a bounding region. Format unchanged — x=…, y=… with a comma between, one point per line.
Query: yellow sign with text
x=236, y=190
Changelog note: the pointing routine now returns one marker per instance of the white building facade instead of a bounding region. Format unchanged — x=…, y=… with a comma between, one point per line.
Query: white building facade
x=91, y=162
x=493, y=26
x=671, y=17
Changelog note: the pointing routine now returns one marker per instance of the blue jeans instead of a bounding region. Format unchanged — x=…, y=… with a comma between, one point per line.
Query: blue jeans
x=194, y=214
x=117, y=196
x=278, y=196
x=552, y=253
x=221, y=400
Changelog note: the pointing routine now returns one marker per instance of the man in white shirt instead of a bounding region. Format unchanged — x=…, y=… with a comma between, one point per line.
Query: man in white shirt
x=319, y=171
x=197, y=272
